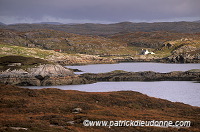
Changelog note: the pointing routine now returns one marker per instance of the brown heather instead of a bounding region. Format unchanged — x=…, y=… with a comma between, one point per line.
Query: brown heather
x=52, y=110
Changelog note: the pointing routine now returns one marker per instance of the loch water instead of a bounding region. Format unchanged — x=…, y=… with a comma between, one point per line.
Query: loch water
x=187, y=92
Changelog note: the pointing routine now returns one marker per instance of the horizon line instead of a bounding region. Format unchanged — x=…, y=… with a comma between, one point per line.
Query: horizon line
x=60, y=23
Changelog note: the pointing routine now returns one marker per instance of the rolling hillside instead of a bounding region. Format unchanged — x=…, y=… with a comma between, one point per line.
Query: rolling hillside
x=118, y=46
x=52, y=56
x=64, y=42
x=107, y=29
x=151, y=39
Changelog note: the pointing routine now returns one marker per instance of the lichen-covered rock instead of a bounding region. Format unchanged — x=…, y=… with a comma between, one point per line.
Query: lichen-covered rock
x=50, y=70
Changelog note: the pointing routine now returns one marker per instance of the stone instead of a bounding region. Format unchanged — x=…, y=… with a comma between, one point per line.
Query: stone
x=15, y=64
x=19, y=128
x=77, y=110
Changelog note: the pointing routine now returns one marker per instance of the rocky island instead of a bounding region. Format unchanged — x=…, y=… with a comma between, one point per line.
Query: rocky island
x=118, y=75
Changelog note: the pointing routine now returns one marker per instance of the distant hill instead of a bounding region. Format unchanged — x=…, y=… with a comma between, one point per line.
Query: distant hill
x=108, y=29
x=2, y=23
x=52, y=23
x=197, y=21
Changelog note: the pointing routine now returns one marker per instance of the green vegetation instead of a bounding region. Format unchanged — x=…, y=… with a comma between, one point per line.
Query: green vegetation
x=52, y=56
x=23, y=60
x=64, y=42
x=24, y=51
x=180, y=46
x=118, y=71
x=194, y=70
x=20, y=62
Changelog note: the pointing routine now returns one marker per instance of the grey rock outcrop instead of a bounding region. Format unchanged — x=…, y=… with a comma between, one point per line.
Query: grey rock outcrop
x=182, y=58
x=47, y=74
x=185, y=54
x=50, y=70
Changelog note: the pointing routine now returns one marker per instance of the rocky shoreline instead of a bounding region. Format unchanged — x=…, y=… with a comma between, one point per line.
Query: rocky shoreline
x=192, y=75
x=28, y=79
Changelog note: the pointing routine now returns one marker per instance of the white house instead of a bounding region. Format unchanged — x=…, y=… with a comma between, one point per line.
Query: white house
x=145, y=52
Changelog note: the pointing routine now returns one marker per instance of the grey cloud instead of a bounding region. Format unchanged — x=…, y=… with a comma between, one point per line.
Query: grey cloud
x=101, y=10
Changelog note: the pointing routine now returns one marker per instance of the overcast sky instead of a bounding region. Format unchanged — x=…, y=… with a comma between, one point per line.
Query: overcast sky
x=98, y=11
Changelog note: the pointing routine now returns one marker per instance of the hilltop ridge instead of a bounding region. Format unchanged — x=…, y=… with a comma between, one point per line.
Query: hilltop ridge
x=107, y=29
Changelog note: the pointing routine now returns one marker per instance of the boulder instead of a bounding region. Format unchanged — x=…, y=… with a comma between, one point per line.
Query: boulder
x=50, y=70
x=77, y=110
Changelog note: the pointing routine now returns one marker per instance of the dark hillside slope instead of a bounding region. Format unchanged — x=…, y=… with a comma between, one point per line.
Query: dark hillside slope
x=107, y=29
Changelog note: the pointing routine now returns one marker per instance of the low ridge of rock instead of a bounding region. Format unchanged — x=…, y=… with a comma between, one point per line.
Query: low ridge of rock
x=193, y=75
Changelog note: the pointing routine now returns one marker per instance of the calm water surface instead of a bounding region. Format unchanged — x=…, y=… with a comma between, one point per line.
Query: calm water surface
x=187, y=92
x=135, y=67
